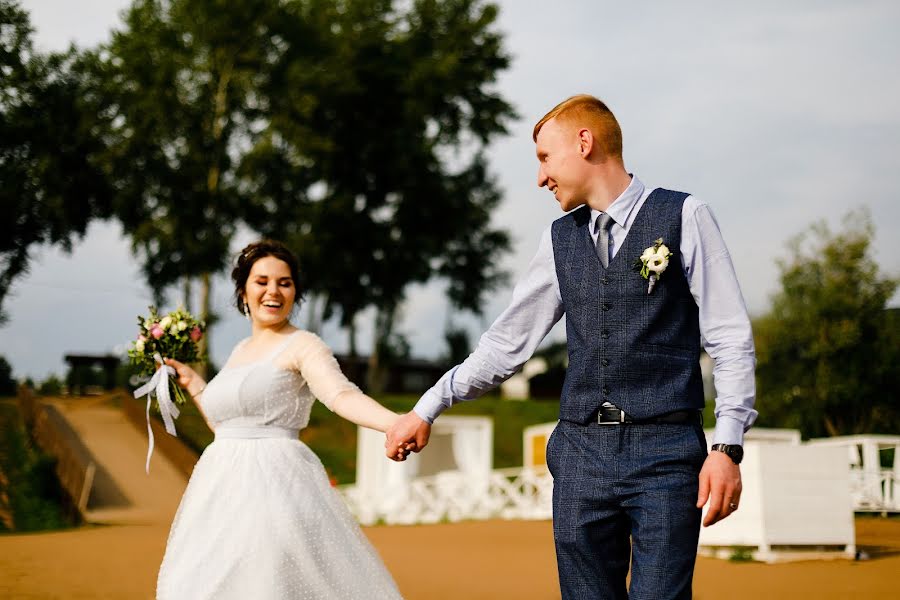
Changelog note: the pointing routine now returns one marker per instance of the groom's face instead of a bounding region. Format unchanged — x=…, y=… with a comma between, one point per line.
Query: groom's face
x=561, y=164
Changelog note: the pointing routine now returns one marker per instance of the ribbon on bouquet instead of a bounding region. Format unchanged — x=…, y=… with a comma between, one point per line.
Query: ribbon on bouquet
x=159, y=386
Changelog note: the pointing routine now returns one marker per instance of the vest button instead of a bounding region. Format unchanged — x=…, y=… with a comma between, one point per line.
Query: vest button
x=605, y=334
x=605, y=362
x=605, y=391
x=605, y=306
x=604, y=280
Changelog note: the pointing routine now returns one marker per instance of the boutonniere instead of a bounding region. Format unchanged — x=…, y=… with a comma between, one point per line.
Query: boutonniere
x=653, y=262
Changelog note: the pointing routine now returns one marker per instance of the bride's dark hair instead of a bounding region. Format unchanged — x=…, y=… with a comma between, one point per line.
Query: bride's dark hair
x=252, y=253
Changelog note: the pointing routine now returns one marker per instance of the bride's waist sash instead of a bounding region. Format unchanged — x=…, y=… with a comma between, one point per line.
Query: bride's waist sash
x=253, y=432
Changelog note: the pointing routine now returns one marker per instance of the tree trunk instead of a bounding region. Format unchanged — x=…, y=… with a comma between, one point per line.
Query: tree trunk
x=316, y=309
x=212, y=186
x=831, y=428
x=188, y=292
x=384, y=325
x=351, y=336
x=205, y=294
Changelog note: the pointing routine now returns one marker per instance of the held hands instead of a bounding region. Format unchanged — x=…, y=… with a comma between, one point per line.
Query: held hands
x=187, y=378
x=720, y=483
x=409, y=433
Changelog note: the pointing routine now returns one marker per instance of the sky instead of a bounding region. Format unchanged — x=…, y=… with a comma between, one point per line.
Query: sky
x=777, y=114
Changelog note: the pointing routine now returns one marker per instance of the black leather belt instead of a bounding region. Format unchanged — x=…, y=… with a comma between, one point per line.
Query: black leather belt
x=610, y=415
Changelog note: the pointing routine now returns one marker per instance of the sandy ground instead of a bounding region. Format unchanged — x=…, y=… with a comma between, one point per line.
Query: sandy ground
x=472, y=560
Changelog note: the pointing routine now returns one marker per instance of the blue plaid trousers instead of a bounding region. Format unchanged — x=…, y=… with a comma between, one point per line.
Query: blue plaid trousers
x=626, y=494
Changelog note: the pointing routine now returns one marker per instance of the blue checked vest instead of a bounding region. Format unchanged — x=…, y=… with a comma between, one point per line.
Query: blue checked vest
x=639, y=351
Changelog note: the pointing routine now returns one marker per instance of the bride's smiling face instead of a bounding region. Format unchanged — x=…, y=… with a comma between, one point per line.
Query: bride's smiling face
x=270, y=292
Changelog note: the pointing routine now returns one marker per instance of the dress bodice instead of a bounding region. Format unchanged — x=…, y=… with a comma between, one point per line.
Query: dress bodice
x=277, y=390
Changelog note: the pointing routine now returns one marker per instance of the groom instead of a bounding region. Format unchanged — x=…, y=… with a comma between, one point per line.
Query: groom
x=628, y=457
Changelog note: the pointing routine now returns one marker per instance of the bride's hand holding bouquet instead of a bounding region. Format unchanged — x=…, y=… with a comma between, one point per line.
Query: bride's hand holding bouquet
x=163, y=346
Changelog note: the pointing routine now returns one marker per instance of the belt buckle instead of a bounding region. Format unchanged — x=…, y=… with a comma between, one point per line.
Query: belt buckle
x=619, y=422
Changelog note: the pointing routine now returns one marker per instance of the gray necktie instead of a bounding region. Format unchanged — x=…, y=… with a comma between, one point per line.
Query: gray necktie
x=603, y=222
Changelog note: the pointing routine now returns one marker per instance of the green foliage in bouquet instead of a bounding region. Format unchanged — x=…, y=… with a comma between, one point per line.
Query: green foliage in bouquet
x=174, y=335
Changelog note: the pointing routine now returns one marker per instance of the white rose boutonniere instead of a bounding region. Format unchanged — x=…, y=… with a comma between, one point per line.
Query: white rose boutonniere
x=653, y=262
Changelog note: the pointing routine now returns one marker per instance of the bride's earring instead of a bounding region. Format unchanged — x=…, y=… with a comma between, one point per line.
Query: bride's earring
x=246, y=310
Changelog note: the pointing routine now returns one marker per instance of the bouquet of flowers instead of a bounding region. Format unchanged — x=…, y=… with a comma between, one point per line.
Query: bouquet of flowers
x=175, y=336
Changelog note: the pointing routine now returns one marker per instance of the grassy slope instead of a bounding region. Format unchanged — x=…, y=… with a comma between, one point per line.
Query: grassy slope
x=28, y=484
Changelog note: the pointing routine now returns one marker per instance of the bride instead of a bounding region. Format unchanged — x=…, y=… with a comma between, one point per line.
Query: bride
x=259, y=518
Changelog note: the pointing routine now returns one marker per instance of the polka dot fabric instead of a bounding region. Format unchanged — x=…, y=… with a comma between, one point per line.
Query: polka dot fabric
x=259, y=519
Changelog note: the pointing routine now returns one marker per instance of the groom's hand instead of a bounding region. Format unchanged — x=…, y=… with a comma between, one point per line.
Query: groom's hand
x=410, y=432
x=720, y=483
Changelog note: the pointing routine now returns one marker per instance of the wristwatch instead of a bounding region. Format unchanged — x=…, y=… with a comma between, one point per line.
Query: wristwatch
x=734, y=452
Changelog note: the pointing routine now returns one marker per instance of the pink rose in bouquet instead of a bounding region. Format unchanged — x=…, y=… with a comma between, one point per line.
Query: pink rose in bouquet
x=174, y=335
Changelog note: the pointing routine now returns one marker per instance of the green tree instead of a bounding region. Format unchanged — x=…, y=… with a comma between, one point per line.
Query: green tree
x=828, y=356
x=181, y=82
x=372, y=163
x=7, y=382
x=51, y=185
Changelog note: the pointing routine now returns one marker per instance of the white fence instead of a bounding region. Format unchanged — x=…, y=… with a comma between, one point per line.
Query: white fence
x=873, y=488
x=452, y=481
x=519, y=493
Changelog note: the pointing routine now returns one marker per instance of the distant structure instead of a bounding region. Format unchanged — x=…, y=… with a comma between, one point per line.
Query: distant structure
x=518, y=387
x=874, y=469
x=408, y=376
x=80, y=367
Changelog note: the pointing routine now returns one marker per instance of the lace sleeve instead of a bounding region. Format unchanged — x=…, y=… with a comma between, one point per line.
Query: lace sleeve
x=314, y=360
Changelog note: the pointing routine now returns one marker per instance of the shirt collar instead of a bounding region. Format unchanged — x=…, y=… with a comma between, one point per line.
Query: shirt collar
x=621, y=207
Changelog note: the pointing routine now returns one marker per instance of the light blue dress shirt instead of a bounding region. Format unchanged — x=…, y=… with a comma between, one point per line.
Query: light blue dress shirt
x=537, y=305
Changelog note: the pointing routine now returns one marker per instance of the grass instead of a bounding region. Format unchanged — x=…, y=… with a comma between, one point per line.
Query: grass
x=30, y=494
x=333, y=439
x=741, y=554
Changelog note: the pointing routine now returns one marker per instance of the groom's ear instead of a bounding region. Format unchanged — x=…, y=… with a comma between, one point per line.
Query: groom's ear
x=585, y=142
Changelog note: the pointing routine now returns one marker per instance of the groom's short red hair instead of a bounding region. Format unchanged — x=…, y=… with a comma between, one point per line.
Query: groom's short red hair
x=587, y=111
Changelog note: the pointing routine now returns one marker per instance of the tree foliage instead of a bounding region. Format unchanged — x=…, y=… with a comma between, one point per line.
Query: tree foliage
x=371, y=165
x=51, y=186
x=352, y=129
x=828, y=352
x=7, y=381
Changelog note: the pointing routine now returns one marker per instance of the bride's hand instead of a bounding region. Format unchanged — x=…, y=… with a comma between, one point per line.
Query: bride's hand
x=188, y=378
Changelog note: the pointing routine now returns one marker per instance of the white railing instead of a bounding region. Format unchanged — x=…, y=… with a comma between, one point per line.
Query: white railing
x=874, y=491
x=526, y=493
x=518, y=493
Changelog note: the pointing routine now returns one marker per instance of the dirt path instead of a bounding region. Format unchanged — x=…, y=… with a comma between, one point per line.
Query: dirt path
x=473, y=560
x=121, y=450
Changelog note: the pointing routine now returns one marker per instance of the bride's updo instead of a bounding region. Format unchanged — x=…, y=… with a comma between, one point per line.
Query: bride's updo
x=252, y=253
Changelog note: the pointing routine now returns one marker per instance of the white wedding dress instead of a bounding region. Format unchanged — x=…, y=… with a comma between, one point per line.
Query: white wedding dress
x=259, y=519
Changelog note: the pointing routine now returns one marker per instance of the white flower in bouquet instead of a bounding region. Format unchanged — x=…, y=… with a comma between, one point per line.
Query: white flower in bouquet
x=182, y=325
x=139, y=345
x=165, y=322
